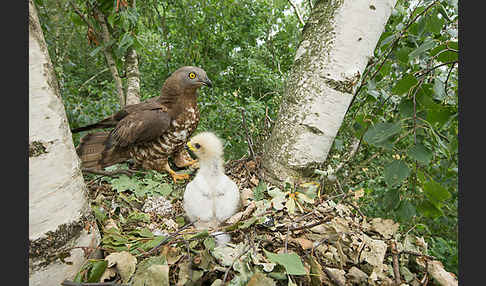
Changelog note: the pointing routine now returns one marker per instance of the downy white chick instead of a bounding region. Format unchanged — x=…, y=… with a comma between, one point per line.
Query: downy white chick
x=211, y=197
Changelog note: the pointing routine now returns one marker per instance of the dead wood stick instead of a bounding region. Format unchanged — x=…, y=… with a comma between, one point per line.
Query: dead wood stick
x=167, y=239
x=396, y=270
x=108, y=173
x=248, y=138
x=72, y=283
x=233, y=262
x=287, y=238
x=416, y=254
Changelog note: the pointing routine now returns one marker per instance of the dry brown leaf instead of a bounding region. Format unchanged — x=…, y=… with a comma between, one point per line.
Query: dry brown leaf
x=109, y=273
x=338, y=274
x=261, y=279
x=386, y=227
x=356, y=276
x=317, y=277
x=110, y=223
x=437, y=271
x=173, y=254
x=239, y=215
x=304, y=243
x=358, y=194
x=124, y=262
x=246, y=196
x=374, y=251
x=254, y=180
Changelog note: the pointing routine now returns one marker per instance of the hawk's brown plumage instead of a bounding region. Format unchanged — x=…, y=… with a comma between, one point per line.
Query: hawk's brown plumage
x=151, y=131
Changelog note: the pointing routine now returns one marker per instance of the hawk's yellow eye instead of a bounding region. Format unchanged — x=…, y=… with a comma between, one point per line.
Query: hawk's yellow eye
x=192, y=75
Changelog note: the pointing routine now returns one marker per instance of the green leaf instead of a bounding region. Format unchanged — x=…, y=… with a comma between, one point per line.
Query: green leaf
x=402, y=54
x=396, y=172
x=420, y=153
x=95, y=51
x=406, y=210
x=405, y=108
x=427, y=45
x=433, y=24
x=404, y=84
x=259, y=191
x=446, y=55
x=429, y=209
x=435, y=192
x=439, y=114
x=391, y=199
x=124, y=183
x=290, y=261
x=381, y=131
x=439, y=92
x=96, y=269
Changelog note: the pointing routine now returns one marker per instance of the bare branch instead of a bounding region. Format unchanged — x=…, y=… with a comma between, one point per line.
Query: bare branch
x=296, y=9
x=447, y=79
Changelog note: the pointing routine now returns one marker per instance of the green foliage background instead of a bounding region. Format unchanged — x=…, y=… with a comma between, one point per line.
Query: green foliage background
x=404, y=113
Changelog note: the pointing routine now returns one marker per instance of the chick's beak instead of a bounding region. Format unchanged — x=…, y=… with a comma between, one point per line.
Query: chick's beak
x=190, y=147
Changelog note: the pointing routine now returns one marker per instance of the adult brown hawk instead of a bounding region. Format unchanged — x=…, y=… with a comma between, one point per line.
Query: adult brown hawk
x=151, y=131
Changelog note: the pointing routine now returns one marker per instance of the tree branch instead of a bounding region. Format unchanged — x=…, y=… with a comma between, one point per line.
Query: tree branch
x=447, y=79
x=296, y=9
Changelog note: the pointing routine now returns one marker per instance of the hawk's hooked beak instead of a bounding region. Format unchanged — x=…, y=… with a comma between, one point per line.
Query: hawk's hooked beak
x=207, y=82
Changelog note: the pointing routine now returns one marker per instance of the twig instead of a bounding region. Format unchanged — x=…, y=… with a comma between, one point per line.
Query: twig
x=76, y=10
x=108, y=173
x=296, y=9
x=91, y=78
x=427, y=71
x=416, y=254
x=396, y=270
x=355, y=207
x=286, y=238
x=354, y=147
x=167, y=239
x=447, y=79
x=233, y=262
x=415, y=110
x=248, y=138
x=72, y=283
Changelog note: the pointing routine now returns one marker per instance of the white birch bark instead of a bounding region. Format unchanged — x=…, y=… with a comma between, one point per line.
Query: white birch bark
x=58, y=209
x=133, y=73
x=133, y=77
x=337, y=42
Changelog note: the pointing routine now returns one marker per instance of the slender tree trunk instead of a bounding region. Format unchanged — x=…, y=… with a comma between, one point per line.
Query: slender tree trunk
x=59, y=214
x=337, y=42
x=133, y=73
x=105, y=35
x=133, y=77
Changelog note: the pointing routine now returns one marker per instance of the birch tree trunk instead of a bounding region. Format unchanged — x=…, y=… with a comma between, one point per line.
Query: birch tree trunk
x=337, y=42
x=59, y=214
x=133, y=77
x=132, y=71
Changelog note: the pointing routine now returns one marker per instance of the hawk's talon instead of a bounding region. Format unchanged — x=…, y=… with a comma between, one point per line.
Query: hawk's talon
x=176, y=176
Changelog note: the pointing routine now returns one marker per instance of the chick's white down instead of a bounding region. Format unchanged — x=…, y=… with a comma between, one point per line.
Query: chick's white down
x=211, y=197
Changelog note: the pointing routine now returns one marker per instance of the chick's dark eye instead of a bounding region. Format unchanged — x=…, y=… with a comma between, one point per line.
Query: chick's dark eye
x=192, y=75
x=197, y=145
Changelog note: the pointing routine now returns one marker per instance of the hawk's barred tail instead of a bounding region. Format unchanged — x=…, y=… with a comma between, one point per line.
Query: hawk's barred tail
x=93, y=151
